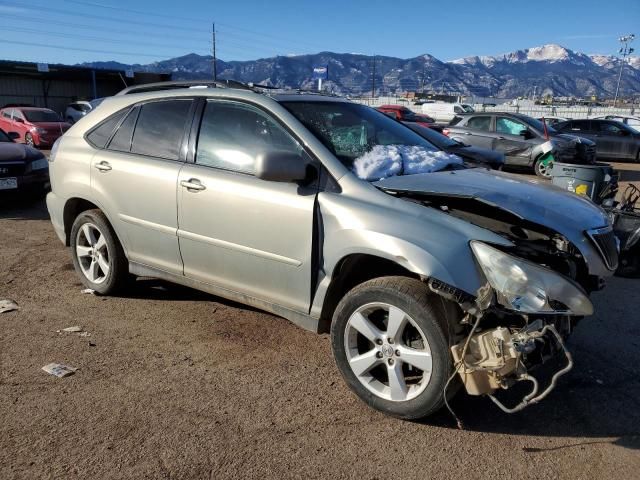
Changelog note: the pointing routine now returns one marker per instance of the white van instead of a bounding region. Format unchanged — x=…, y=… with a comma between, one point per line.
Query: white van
x=444, y=112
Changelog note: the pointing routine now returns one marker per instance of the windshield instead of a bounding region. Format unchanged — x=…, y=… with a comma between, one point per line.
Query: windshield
x=41, y=116
x=4, y=137
x=439, y=140
x=367, y=141
x=537, y=124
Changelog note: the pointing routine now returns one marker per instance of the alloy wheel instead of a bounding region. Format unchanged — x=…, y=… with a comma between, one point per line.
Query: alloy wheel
x=28, y=138
x=93, y=253
x=387, y=351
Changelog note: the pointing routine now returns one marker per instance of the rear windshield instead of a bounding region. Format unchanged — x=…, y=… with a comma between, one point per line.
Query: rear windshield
x=41, y=116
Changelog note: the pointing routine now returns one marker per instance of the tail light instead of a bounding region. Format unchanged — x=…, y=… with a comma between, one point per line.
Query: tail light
x=445, y=131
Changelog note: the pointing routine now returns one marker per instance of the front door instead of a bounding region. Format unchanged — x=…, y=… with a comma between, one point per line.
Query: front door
x=136, y=178
x=516, y=147
x=614, y=141
x=478, y=132
x=237, y=231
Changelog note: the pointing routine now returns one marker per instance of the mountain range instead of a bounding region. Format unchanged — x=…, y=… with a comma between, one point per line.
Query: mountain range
x=544, y=70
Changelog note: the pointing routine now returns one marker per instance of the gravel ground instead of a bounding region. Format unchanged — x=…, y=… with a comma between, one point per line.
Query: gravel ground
x=173, y=383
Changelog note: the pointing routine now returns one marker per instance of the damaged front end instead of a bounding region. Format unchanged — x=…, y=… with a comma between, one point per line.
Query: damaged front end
x=536, y=288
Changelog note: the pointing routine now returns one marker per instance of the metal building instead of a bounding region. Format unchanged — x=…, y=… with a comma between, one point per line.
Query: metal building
x=54, y=86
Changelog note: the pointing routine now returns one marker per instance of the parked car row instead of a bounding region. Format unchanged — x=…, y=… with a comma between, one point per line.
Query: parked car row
x=22, y=167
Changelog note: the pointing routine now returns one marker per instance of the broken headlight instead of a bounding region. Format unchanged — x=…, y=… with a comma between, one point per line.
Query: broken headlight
x=529, y=288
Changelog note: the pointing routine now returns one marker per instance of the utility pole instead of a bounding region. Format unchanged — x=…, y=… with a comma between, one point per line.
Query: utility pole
x=625, y=50
x=215, y=68
x=373, y=78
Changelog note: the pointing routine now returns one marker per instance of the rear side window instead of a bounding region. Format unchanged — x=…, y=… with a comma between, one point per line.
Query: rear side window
x=232, y=134
x=121, y=141
x=100, y=135
x=479, y=123
x=160, y=128
x=580, y=125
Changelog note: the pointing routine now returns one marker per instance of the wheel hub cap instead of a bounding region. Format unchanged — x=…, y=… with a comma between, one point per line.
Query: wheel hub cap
x=387, y=352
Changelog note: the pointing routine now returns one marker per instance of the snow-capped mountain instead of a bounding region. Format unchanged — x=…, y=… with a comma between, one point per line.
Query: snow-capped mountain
x=549, y=69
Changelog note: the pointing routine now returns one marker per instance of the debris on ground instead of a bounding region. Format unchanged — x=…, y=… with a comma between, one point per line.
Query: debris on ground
x=74, y=329
x=85, y=334
x=8, y=306
x=89, y=291
x=59, y=370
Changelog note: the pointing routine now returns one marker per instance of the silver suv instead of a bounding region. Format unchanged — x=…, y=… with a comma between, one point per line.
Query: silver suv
x=428, y=282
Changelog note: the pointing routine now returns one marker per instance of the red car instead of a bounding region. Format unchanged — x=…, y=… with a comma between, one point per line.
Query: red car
x=404, y=114
x=38, y=127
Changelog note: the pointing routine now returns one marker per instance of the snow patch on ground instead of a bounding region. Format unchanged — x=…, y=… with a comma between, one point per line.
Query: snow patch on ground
x=384, y=161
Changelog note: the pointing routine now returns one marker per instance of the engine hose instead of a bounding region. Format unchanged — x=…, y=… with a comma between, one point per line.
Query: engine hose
x=532, y=397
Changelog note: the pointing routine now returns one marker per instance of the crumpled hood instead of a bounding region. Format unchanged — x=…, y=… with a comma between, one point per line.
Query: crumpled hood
x=544, y=204
x=573, y=138
x=16, y=152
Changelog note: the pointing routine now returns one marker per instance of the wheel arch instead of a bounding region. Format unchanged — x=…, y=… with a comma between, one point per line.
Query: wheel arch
x=352, y=270
x=73, y=207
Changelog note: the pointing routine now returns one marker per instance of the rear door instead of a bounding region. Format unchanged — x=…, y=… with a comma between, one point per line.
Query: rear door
x=136, y=178
x=477, y=131
x=237, y=231
x=516, y=147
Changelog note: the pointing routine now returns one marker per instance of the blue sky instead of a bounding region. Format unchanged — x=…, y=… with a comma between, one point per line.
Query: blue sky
x=143, y=31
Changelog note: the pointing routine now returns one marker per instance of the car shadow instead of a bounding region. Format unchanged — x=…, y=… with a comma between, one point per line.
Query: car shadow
x=599, y=400
x=146, y=288
x=17, y=206
x=628, y=175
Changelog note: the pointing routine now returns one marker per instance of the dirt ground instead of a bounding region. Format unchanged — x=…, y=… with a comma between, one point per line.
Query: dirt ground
x=173, y=383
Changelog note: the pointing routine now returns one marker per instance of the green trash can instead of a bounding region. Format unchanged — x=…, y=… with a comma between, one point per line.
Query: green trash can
x=589, y=180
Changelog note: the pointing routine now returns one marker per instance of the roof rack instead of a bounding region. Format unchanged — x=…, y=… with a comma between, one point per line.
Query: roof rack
x=173, y=85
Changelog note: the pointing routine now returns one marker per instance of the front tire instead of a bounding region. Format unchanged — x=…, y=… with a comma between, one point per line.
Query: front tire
x=543, y=166
x=28, y=139
x=97, y=254
x=390, y=344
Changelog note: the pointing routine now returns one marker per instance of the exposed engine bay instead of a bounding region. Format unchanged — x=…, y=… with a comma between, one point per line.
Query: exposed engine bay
x=502, y=348
x=533, y=242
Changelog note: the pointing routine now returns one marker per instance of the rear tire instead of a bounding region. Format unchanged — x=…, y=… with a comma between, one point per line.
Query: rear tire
x=97, y=254
x=401, y=363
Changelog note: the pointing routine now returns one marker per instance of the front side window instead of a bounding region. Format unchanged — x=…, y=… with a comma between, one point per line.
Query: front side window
x=232, y=134
x=160, y=128
x=480, y=123
x=609, y=128
x=509, y=126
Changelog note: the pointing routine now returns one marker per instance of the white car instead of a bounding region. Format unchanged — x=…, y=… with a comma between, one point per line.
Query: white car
x=76, y=110
x=631, y=121
x=445, y=112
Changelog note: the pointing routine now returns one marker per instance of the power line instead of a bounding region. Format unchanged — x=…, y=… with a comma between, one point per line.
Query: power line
x=61, y=47
x=145, y=13
x=100, y=17
x=88, y=37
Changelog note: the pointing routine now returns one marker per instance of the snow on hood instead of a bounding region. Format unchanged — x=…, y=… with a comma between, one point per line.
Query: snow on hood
x=384, y=161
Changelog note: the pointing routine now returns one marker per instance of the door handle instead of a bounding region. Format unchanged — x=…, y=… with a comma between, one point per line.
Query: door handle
x=500, y=138
x=103, y=166
x=468, y=133
x=193, y=185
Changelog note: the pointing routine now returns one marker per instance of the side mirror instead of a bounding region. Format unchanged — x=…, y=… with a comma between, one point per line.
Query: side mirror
x=13, y=135
x=279, y=166
x=526, y=134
